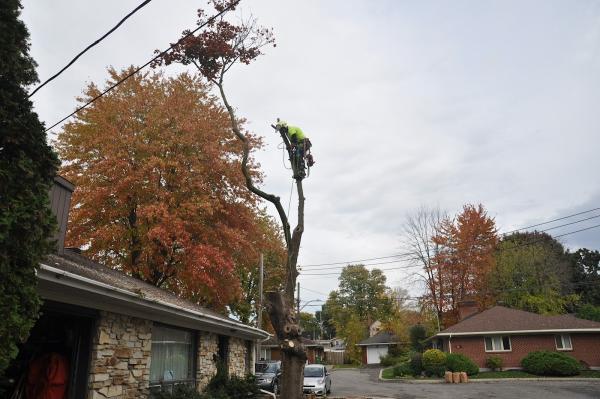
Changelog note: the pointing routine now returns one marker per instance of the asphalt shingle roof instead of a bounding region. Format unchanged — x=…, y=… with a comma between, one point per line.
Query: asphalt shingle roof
x=77, y=264
x=382, y=337
x=501, y=318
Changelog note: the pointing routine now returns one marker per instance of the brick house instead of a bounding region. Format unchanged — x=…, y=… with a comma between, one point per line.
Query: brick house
x=120, y=337
x=511, y=334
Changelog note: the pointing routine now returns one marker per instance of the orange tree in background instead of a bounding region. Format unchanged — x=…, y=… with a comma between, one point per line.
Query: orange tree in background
x=465, y=258
x=159, y=194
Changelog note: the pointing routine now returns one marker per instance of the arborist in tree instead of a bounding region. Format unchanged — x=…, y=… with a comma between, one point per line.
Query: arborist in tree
x=300, y=148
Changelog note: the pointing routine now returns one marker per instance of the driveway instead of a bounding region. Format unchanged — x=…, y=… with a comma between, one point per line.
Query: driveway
x=364, y=382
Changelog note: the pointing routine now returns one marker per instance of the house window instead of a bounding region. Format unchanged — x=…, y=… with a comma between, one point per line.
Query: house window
x=563, y=342
x=497, y=343
x=172, y=357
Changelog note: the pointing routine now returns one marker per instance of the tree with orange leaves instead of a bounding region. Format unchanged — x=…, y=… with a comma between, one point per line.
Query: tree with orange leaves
x=159, y=194
x=465, y=258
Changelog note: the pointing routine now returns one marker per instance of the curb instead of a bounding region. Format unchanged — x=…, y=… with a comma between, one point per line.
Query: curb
x=483, y=380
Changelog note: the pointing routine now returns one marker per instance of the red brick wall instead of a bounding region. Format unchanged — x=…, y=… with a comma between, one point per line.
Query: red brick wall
x=586, y=348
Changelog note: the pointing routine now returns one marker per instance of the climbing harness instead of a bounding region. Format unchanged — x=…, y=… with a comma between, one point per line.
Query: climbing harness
x=301, y=157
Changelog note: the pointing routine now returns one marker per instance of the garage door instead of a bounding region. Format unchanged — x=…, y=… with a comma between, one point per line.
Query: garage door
x=374, y=353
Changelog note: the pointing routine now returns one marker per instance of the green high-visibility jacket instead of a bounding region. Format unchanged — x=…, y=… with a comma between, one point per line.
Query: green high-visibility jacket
x=295, y=134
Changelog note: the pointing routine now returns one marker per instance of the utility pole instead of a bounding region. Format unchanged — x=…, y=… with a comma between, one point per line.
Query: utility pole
x=260, y=301
x=298, y=303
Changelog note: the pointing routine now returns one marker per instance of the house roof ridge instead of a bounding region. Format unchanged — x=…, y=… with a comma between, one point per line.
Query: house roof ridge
x=503, y=318
x=81, y=265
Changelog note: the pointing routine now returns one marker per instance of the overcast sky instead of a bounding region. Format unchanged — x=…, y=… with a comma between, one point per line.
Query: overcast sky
x=436, y=103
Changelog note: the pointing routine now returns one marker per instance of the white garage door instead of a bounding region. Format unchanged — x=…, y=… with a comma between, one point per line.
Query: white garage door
x=375, y=352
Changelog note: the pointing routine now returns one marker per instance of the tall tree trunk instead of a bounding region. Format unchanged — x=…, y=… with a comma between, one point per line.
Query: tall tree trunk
x=280, y=305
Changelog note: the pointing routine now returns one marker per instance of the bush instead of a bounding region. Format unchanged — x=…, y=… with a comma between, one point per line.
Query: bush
x=550, y=363
x=458, y=362
x=222, y=386
x=391, y=360
x=494, y=363
x=179, y=392
x=417, y=334
x=416, y=363
x=403, y=370
x=434, y=362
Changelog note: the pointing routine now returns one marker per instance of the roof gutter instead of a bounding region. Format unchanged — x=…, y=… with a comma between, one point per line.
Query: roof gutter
x=119, y=293
x=513, y=332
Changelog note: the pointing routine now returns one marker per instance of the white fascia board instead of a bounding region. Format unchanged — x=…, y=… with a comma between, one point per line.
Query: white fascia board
x=124, y=301
x=517, y=332
x=379, y=343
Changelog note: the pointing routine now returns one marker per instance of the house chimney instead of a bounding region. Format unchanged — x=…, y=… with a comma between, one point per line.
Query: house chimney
x=60, y=202
x=466, y=309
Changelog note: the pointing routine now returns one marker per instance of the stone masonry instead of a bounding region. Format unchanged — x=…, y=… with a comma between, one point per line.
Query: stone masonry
x=236, y=363
x=120, y=365
x=206, y=367
x=208, y=349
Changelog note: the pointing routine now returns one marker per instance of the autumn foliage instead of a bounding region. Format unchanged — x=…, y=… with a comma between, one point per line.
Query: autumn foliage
x=464, y=259
x=159, y=192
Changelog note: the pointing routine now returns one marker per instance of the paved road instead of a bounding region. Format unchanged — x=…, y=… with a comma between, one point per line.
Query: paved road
x=364, y=382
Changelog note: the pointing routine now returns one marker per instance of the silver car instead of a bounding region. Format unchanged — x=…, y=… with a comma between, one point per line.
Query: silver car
x=317, y=379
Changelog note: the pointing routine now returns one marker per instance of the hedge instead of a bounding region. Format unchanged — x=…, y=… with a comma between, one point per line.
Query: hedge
x=550, y=363
x=434, y=362
x=458, y=362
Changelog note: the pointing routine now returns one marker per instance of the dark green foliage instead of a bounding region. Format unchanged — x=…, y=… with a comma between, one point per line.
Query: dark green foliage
x=533, y=273
x=458, y=362
x=494, y=363
x=589, y=312
x=391, y=360
x=586, y=275
x=403, y=370
x=27, y=167
x=223, y=386
x=416, y=363
x=179, y=392
x=550, y=363
x=417, y=335
x=434, y=362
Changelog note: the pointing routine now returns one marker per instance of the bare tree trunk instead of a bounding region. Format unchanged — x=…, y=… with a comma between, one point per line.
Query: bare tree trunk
x=280, y=305
x=419, y=230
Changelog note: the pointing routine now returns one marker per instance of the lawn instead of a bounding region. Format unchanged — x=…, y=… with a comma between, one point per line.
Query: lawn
x=523, y=374
x=388, y=374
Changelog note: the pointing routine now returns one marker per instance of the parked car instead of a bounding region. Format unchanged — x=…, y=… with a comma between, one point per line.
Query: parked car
x=267, y=375
x=317, y=379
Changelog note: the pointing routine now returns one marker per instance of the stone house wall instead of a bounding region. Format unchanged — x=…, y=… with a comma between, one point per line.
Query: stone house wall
x=236, y=363
x=206, y=367
x=120, y=364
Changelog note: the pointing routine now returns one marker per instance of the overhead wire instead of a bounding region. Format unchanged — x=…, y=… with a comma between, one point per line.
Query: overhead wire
x=406, y=254
x=135, y=71
x=551, y=221
x=85, y=50
x=500, y=249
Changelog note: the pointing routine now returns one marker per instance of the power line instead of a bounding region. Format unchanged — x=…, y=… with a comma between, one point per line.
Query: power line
x=551, y=221
x=400, y=255
x=354, y=261
x=365, y=264
x=89, y=47
x=159, y=55
x=500, y=249
x=314, y=291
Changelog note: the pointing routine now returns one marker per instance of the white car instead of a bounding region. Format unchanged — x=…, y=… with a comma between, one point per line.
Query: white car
x=317, y=379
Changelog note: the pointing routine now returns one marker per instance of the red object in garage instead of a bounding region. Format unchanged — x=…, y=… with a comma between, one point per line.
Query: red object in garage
x=48, y=377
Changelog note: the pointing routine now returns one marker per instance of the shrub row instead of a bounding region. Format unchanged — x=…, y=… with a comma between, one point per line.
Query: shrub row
x=434, y=362
x=550, y=363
